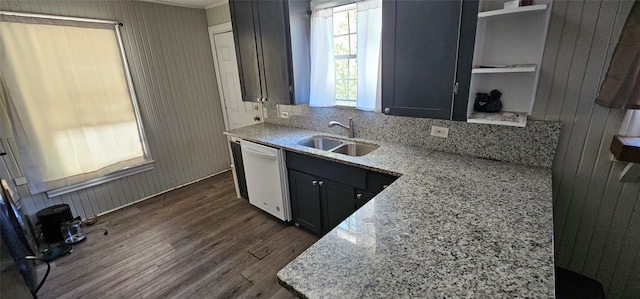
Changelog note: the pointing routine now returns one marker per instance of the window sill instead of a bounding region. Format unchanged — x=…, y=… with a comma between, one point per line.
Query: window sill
x=345, y=103
x=105, y=179
x=344, y=107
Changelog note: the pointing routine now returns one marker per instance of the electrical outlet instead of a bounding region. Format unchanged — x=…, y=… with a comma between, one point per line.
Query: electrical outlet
x=439, y=131
x=20, y=181
x=284, y=114
x=264, y=112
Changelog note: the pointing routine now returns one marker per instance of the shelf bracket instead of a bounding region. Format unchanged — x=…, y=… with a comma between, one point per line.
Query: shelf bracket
x=630, y=173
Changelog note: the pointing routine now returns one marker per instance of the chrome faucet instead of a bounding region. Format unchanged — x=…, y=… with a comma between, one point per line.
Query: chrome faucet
x=349, y=127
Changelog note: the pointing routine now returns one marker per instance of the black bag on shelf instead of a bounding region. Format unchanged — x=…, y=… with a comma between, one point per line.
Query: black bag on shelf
x=488, y=102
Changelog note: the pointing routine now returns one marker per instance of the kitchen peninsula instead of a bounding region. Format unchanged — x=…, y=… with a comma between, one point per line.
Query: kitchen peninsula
x=450, y=226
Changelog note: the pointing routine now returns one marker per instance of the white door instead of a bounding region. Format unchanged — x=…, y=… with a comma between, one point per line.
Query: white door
x=238, y=113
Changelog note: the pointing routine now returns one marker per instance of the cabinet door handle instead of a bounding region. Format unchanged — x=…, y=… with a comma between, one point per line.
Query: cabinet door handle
x=359, y=196
x=320, y=183
x=314, y=183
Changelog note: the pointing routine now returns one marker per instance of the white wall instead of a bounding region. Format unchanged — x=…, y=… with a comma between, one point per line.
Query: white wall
x=597, y=218
x=172, y=68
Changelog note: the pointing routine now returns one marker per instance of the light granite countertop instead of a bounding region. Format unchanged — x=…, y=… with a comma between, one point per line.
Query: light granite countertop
x=450, y=226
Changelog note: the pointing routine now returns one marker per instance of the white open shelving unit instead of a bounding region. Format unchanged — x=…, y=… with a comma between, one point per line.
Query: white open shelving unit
x=504, y=69
x=509, y=11
x=507, y=55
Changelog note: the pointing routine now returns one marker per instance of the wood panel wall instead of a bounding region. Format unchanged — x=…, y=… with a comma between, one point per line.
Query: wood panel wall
x=172, y=68
x=596, y=217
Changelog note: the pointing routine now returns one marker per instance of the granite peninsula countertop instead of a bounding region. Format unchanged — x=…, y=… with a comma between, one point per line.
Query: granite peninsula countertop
x=450, y=226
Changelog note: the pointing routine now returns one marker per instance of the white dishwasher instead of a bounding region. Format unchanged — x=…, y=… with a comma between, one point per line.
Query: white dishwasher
x=266, y=175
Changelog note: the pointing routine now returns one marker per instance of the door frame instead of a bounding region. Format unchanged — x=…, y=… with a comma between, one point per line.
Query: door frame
x=216, y=29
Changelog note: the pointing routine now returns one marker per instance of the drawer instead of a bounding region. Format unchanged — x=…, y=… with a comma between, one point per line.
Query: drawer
x=376, y=182
x=345, y=174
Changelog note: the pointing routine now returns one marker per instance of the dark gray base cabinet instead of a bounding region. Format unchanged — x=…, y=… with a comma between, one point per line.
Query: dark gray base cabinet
x=236, y=152
x=319, y=204
x=337, y=203
x=324, y=193
x=305, y=201
x=362, y=197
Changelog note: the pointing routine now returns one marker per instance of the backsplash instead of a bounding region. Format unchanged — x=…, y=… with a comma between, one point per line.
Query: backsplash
x=533, y=145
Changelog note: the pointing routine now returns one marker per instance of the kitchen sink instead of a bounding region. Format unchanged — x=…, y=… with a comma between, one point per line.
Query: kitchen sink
x=344, y=147
x=323, y=143
x=355, y=149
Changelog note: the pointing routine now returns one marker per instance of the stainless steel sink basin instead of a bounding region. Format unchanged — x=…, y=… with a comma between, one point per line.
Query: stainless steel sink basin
x=344, y=147
x=323, y=143
x=355, y=149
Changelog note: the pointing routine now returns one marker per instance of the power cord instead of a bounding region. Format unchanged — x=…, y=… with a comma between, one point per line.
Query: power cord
x=34, y=293
x=99, y=229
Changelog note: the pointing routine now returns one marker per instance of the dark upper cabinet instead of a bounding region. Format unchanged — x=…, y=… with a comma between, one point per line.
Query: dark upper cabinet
x=427, y=51
x=246, y=51
x=272, y=49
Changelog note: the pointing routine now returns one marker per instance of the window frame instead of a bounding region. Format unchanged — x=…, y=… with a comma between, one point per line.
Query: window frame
x=127, y=171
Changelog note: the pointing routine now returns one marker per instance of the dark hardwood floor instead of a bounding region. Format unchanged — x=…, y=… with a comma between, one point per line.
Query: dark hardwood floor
x=199, y=241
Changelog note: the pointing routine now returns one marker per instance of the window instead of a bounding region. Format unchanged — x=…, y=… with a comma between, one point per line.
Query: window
x=345, y=45
x=345, y=55
x=69, y=95
x=631, y=123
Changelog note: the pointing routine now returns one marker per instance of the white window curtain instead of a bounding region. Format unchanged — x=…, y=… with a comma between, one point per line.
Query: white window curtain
x=323, y=74
x=369, y=41
x=369, y=33
x=68, y=97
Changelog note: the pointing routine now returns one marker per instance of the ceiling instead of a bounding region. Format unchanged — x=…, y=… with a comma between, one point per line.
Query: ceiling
x=191, y=3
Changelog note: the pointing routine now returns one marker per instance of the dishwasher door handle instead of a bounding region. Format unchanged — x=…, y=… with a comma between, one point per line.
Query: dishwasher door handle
x=261, y=155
